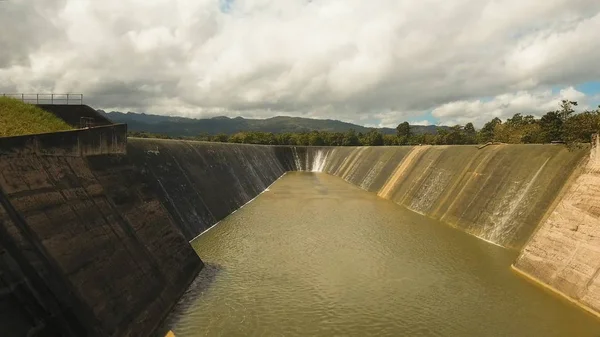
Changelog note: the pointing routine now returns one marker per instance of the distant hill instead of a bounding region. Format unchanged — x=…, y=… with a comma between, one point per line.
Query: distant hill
x=181, y=126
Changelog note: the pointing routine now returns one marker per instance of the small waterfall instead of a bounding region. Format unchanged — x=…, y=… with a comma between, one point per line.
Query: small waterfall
x=371, y=175
x=430, y=191
x=503, y=227
x=307, y=162
x=296, y=159
x=319, y=161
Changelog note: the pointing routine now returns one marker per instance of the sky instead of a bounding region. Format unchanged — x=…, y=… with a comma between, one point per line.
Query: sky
x=374, y=63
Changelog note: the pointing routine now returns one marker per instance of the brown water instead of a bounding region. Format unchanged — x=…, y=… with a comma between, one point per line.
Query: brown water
x=316, y=256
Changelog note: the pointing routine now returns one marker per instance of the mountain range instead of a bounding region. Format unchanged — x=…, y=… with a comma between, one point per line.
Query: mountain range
x=181, y=126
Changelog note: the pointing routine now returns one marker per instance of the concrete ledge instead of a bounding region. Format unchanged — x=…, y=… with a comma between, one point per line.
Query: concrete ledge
x=110, y=139
x=553, y=291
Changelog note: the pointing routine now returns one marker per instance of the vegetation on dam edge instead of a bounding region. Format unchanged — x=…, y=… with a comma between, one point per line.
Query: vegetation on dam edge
x=18, y=118
x=562, y=125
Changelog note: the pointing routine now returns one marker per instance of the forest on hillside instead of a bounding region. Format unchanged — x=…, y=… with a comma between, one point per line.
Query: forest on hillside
x=561, y=125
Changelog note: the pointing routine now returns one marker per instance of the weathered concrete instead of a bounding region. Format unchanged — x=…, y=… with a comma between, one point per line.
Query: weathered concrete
x=498, y=193
x=111, y=139
x=85, y=241
x=104, y=235
x=95, y=230
x=201, y=183
x=564, y=253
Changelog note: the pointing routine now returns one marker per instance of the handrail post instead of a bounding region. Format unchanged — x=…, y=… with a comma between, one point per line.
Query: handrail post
x=37, y=99
x=22, y=97
x=67, y=99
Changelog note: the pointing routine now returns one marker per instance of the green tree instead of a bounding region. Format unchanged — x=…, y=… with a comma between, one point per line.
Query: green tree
x=455, y=135
x=440, y=136
x=469, y=129
x=470, y=133
x=486, y=134
x=390, y=140
x=315, y=139
x=372, y=138
x=351, y=138
x=580, y=127
x=403, y=133
x=221, y=137
x=566, y=109
x=551, y=127
x=517, y=129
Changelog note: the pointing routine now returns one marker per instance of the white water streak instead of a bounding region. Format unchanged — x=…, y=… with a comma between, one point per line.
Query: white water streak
x=319, y=160
x=296, y=159
x=371, y=175
x=504, y=226
x=307, y=162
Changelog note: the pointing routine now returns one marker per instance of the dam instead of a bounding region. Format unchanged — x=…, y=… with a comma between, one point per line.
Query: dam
x=95, y=231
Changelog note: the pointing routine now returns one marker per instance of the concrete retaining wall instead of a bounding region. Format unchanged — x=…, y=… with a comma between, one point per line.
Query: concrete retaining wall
x=103, y=237
x=86, y=246
x=201, y=183
x=564, y=253
x=111, y=139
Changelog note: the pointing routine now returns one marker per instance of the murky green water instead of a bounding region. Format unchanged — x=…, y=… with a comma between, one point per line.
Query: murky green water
x=316, y=256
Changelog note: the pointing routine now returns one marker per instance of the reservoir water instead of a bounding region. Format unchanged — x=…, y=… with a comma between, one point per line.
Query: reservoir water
x=316, y=256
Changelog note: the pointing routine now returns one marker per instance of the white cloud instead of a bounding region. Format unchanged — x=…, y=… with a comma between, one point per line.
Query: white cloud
x=423, y=122
x=504, y=106
x=377, y=63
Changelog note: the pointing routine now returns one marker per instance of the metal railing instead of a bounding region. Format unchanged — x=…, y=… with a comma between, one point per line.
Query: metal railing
x=71, y=99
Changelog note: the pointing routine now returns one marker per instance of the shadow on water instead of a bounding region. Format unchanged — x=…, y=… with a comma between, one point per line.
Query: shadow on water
x=201, y=283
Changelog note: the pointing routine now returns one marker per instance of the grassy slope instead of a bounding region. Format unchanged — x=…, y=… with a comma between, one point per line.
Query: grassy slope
x=18, y=118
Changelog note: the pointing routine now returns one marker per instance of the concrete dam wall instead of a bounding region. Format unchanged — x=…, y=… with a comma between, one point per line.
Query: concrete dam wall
x=201, y=183
x=497, y=193
x=564, y=253
x=94, y=235
x=94, y=228
x=86, y=248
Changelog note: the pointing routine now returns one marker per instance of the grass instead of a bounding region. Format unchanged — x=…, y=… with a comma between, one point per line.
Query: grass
x=18, y=118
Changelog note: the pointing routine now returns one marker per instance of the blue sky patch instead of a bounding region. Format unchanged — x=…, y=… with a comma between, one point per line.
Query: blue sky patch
x=425, y=117
x=589, y=88
x=226, y=5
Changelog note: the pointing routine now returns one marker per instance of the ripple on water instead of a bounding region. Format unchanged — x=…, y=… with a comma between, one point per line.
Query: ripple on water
x=316, y=256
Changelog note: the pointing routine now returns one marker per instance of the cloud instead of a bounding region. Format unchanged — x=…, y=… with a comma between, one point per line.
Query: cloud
x=422, y=122
x=504, y=106
x=371, y=63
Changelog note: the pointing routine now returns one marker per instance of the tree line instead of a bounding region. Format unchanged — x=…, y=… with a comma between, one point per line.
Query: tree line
x=561, y=125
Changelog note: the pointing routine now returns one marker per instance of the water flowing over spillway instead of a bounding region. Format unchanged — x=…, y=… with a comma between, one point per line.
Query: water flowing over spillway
x=297, y=161
x=498, y=193
x=318, y=163
x=90, y=204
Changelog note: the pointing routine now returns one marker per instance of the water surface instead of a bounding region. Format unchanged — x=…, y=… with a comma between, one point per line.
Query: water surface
x=317, y=256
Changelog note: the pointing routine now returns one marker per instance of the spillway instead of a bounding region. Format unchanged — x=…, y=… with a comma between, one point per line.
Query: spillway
x=95, y=227
x=498, y=193
x=315, y=256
